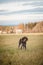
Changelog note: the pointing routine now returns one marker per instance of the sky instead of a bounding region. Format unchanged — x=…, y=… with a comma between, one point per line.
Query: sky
x=14, y=12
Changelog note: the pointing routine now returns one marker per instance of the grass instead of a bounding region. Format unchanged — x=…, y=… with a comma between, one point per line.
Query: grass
x=11, y=55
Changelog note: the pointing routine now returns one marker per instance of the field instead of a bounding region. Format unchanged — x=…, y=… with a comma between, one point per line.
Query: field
x=11, y=55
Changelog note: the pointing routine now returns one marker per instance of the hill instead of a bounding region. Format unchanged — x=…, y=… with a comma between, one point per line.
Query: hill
x=38, y=28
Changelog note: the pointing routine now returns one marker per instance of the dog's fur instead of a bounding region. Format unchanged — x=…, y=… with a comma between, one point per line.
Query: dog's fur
x=22, y=42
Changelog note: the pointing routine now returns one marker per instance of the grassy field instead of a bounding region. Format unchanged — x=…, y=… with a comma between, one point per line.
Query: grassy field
x=11, y=55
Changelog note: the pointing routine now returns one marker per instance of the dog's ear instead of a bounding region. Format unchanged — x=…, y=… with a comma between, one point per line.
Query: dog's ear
x=27, y=38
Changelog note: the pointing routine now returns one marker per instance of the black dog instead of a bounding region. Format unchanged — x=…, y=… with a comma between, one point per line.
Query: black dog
x=22, y=42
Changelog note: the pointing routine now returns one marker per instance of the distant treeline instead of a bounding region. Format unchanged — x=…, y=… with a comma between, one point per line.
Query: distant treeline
x=30, y=27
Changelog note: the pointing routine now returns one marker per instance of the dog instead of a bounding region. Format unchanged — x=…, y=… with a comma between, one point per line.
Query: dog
x=22, y=42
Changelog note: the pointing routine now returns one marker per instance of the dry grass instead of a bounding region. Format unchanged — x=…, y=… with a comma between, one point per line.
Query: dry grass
x=11, y=55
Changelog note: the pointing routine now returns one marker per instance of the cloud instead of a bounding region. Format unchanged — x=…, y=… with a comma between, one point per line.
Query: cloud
x=6, y=1
x=20, y=11
x=18, y=8
x=16, y=19
x=38, y=10
x=15, y=6
x=21, y=17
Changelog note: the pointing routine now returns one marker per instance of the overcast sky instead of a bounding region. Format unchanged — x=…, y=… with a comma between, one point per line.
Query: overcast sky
x=13, y=12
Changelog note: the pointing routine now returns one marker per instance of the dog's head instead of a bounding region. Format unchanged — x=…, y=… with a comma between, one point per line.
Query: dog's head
x=25, y=39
